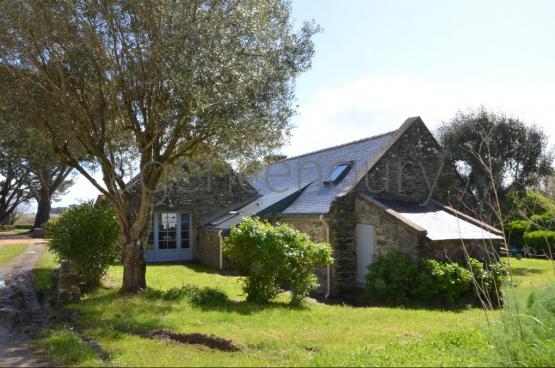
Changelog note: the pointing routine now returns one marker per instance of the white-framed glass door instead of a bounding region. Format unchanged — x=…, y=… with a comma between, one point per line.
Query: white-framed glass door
x=170, y=239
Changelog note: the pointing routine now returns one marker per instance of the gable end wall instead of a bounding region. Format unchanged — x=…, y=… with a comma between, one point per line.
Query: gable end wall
x=409, y=169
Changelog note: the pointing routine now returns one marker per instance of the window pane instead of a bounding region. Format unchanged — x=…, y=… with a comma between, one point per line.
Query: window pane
x=167, y=231
x=338, y=173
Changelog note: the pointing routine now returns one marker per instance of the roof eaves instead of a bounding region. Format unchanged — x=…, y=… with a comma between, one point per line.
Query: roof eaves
x=394, y=213
x=301, y=214
x=469, y=218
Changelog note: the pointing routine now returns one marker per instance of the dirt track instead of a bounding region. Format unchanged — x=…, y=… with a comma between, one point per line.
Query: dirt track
x=20, y=312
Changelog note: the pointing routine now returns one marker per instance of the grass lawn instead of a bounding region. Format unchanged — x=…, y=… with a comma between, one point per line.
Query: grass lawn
x=277, y=334
x=10, y=251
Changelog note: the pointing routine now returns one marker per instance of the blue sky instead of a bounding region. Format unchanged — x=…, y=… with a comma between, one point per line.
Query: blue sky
x=378, y=62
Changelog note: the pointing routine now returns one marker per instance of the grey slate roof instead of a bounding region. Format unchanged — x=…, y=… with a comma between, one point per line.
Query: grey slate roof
x=439, y=223
x=296, y=186
x=313, y=169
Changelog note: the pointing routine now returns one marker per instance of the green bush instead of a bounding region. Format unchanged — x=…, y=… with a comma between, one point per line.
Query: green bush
x=87, y=236
x=446, y=283
x=487, y=281
x=529, y=212
x=273, y=258
x=396, y=279
x=514, y=231
x=389, y=279
x=542, y=221
x=526, y=204
x=540, y=241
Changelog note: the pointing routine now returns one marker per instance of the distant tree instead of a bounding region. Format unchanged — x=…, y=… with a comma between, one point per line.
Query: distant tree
x=548, y=187
x=14, y=184
x=144, y=84
x=20, y=127
x=58, y=210
x=496, y=151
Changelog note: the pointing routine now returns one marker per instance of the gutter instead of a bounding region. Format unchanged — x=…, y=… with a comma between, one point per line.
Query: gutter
x=221, y=249
x=328, y=267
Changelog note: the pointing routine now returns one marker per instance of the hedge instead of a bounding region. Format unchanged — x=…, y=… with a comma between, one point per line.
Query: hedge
x=540, y=241
x=515, y=231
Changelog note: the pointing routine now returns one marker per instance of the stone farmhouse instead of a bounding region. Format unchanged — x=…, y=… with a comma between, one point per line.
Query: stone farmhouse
x=394, y=191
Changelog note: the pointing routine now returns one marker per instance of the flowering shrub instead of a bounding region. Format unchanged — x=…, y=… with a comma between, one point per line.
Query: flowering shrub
x=274, y=258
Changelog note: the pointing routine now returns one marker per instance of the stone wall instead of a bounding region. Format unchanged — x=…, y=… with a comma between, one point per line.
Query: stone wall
x=415, y=169
x=342, y=220
x=391, y=233
x=207, y=250
x=307, y=224
x=457, y=250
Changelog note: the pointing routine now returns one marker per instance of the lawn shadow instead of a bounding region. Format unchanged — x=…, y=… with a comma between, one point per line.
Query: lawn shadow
x=213, y=299
x=524, y=271
x=194, y=266
x=142, y=313
x=358, y=300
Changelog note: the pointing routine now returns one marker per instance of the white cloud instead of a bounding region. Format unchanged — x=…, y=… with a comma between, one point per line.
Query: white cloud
x=378, y=104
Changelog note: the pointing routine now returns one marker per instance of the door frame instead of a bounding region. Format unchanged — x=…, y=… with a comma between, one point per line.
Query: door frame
x=175, y=254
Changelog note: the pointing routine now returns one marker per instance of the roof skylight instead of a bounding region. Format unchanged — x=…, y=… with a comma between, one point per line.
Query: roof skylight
x=339, y=173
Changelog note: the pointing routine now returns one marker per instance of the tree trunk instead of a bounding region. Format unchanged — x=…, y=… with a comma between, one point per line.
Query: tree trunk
x=134, y=266
x=43, y=209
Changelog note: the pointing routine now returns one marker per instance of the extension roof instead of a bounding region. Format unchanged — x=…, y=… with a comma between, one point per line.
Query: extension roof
x=437, y=222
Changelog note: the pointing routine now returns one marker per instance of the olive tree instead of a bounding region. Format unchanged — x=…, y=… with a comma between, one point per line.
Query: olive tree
x=46, y=175
x=518, y=156
x=143, y=84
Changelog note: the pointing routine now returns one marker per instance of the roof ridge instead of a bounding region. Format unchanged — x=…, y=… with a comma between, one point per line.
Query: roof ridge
x=334, y=147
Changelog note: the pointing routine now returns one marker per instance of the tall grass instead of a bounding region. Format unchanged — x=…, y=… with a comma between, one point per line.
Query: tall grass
x=524, y=335
x=532, y=343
